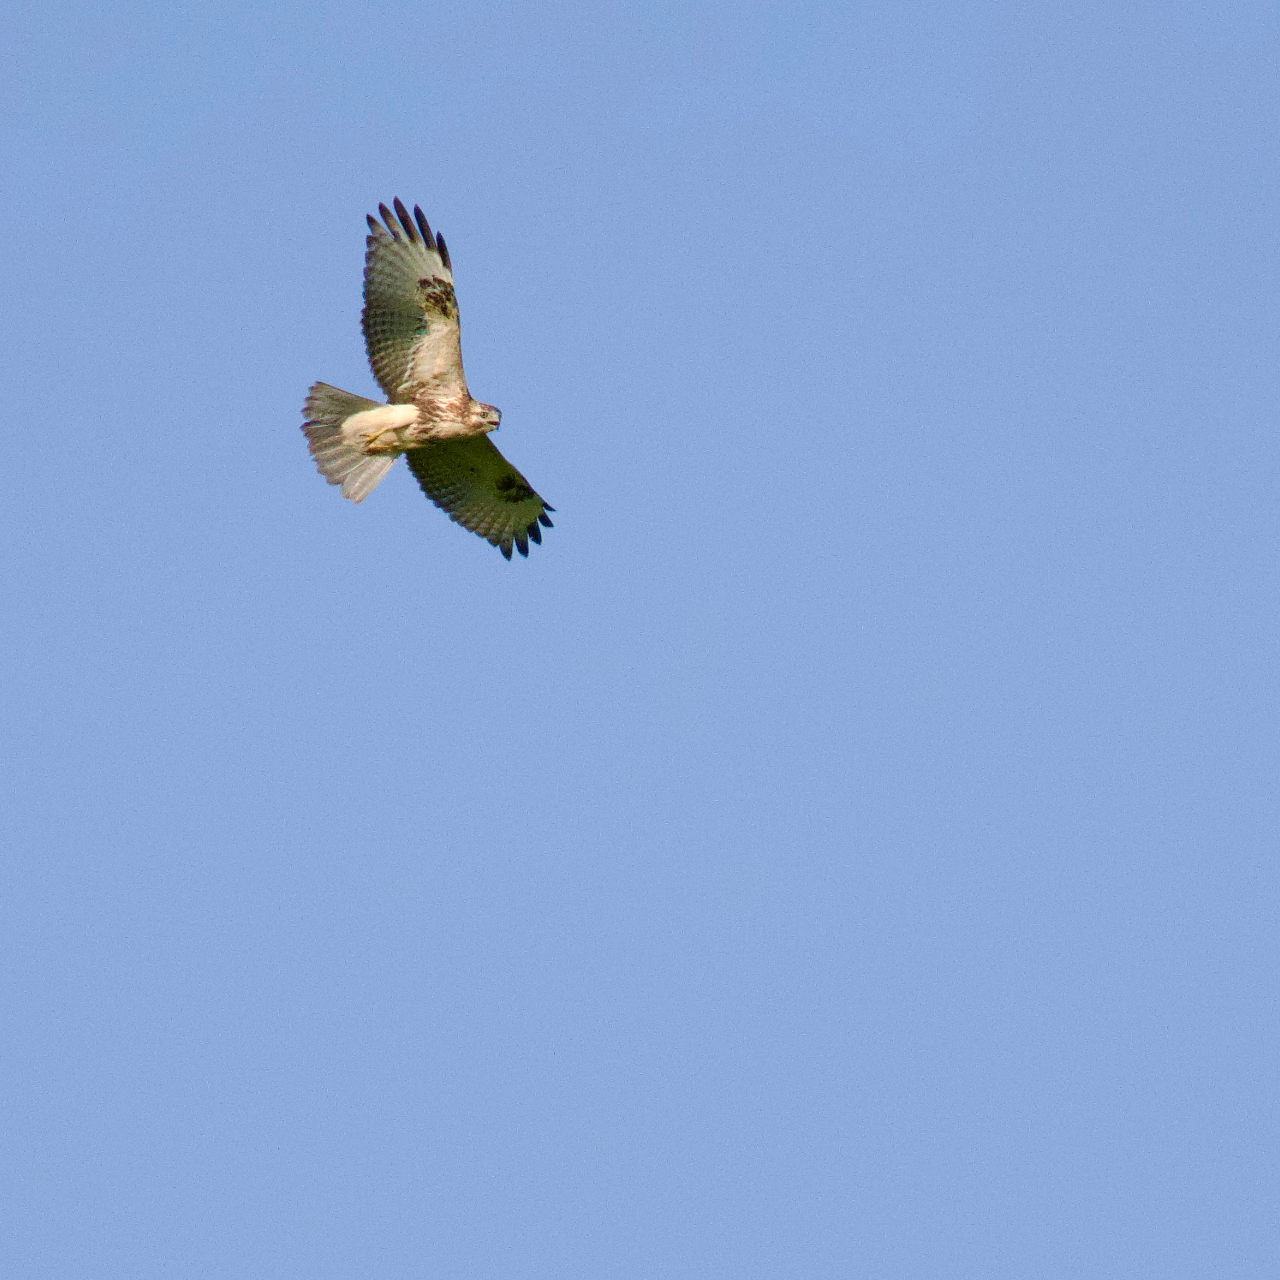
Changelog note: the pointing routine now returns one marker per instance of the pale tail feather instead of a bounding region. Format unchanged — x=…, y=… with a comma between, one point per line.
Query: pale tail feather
x=325, y=411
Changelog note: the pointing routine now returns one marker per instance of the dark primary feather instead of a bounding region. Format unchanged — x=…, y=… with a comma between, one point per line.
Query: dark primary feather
x=405, y=221
x=423, y=226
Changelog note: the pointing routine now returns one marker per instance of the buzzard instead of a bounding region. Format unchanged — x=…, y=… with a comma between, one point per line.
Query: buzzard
x=410, y=323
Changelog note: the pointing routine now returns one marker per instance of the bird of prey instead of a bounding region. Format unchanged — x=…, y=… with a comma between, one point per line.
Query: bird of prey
x=410, y=323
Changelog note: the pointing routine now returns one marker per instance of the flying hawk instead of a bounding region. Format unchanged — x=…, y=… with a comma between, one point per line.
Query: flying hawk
x=410, y=323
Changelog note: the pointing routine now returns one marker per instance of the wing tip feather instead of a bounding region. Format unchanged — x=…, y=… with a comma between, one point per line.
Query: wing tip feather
x=424, y=227
x=405, y=221
x=403, y=227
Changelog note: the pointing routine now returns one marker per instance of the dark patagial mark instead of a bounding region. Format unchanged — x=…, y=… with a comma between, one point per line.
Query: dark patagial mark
x=512, y=489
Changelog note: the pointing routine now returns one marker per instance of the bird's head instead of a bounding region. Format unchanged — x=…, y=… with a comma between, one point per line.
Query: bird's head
x=485, y=416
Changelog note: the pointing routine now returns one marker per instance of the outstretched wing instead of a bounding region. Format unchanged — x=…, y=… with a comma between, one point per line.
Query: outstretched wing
x=410, y=317
x=481, y=490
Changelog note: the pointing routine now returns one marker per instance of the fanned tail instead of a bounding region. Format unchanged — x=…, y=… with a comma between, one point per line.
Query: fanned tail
x=326, y=409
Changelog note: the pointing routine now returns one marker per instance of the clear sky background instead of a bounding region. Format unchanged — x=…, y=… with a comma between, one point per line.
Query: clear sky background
x=846, y=848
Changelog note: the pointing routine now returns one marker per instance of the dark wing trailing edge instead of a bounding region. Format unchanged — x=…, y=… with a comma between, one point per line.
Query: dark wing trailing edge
x=480, y=490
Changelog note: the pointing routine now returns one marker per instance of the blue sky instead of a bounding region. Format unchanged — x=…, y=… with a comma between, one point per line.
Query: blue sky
x=846, y=847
